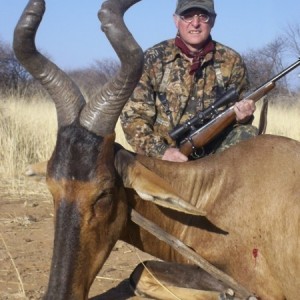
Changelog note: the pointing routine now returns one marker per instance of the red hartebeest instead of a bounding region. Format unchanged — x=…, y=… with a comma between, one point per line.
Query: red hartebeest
x=239, y=209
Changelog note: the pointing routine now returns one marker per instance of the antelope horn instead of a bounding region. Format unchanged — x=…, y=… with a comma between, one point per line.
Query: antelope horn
x=65, y=94
x=101, y=113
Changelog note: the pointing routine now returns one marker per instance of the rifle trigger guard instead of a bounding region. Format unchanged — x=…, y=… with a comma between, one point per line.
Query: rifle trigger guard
x=195, y=152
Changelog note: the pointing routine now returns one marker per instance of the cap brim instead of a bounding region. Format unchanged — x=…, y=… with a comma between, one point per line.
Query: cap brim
x=187, y=7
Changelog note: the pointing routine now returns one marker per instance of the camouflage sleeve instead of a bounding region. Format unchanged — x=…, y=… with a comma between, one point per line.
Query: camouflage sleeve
x=239, y=78
x=138, y=118
x=244, y=87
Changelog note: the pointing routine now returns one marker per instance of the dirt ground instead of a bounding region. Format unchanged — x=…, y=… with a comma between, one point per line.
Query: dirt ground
x=26, y=235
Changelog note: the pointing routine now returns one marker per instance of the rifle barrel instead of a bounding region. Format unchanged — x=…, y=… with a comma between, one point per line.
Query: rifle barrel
x=287, y=70
x=283, y=73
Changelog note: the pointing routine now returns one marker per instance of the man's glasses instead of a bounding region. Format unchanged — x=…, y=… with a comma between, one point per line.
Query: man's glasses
x=188, y=18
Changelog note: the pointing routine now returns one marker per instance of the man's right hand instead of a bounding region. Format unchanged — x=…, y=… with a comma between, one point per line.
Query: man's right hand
x=173, y=154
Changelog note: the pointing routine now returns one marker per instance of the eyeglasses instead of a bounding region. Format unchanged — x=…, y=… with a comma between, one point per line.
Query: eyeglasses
x=188, y=18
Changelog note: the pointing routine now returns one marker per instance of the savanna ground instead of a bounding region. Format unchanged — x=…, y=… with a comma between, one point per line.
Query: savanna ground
x=27, y=135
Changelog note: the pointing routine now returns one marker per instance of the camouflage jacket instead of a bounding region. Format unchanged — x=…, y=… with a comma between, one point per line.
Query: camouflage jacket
x=167, y=88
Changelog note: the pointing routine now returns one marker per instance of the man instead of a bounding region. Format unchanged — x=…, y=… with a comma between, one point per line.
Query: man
x=183, y=76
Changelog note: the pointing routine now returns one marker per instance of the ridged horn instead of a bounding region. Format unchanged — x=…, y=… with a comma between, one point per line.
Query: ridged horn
x=65, y=94
x=101, y=113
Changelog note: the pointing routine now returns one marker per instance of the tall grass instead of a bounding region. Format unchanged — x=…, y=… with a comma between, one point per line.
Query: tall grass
x=283, y=118
x=28, y=131
x=28, y=134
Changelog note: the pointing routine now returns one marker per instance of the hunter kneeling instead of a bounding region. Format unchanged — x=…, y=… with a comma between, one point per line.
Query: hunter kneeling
x=182, y=77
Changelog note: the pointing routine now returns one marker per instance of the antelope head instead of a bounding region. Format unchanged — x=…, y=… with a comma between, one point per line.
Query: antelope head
x=80, y=174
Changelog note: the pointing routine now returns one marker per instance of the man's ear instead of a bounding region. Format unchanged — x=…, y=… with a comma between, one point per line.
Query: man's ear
x=212, y=20
x=176, y=20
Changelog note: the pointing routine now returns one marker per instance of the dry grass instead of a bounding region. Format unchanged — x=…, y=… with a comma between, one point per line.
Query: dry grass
x=28, y=131
x=27, y=134
x=283, y=118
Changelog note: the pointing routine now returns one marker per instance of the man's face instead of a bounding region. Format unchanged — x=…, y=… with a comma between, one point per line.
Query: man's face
x=194, y=27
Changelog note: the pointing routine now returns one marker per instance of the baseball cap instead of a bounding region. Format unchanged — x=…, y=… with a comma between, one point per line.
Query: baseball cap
x=183, y=5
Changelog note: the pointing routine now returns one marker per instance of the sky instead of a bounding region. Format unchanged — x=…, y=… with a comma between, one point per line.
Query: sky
x=71, y=36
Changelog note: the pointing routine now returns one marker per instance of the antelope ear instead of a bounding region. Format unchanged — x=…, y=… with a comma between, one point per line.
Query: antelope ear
x=38, y=169
x=149, y=186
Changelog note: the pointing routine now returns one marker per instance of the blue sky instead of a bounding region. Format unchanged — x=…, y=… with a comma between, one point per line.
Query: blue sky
x=70, y=31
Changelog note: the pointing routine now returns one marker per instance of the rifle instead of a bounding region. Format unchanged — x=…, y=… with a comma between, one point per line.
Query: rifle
x=190, y=138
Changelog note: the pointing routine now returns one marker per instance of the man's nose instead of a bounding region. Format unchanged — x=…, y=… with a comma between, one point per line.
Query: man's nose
x=196, y=20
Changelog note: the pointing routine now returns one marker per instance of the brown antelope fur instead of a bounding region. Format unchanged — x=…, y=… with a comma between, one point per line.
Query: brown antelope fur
x=239, y=209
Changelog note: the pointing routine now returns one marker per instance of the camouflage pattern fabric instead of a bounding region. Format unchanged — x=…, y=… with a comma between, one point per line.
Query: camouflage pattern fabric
x=146, y=120
x=237, y=134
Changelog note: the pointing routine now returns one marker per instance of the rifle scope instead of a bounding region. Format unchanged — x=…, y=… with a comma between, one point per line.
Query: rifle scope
x=198, y=119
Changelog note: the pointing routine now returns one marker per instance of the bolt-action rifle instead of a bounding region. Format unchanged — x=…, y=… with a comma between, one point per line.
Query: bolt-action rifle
x=195, y=133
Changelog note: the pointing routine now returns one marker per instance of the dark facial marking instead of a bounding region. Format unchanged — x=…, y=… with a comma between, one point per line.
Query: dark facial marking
x=75, y=155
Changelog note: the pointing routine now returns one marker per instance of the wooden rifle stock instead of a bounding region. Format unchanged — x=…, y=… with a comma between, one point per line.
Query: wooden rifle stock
x=209, y=131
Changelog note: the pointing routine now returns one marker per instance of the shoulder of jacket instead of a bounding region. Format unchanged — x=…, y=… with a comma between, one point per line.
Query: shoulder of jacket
x=222, y=50
x=164, y=51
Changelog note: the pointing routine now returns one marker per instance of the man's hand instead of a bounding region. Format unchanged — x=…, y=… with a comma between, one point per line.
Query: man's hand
x=173, y=154
x=244, y=110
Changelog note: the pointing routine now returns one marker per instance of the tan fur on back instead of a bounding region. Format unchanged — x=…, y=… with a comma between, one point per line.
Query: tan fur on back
x=251, y=193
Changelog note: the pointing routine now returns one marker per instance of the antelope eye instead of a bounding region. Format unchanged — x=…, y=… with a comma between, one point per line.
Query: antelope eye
x=104, y=200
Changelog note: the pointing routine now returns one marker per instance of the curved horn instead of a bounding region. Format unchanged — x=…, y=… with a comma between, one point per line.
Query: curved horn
x=65, y=94
x=101, y=113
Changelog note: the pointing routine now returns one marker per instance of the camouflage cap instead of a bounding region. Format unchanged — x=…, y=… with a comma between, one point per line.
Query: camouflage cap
x=183, y=5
